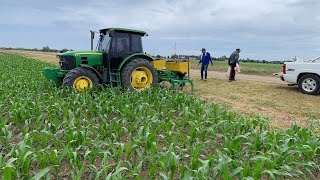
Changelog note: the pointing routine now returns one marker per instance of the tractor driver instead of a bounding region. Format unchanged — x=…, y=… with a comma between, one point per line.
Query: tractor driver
x=125, y=47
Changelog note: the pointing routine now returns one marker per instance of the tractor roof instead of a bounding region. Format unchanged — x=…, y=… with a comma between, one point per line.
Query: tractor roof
x=133, y=31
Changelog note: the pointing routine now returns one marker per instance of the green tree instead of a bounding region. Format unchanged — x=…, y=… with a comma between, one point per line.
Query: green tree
x=46, y=48
x=174, y=56
x=223, y=58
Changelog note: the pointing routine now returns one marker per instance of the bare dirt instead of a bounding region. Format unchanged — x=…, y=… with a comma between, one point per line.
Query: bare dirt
x=45, y=56
x=222, y=75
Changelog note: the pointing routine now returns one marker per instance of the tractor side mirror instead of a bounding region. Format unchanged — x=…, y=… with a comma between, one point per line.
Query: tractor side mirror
x=111, y=33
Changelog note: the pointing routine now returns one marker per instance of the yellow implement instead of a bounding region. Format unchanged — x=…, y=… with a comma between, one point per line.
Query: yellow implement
x=158, y=64
x=178, y=66
x=175, y=72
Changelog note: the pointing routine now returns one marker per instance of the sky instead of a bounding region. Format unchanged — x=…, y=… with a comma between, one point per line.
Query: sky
x=263, y=29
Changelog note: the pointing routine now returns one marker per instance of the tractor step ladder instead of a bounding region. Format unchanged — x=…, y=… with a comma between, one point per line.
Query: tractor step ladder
x=115, y=79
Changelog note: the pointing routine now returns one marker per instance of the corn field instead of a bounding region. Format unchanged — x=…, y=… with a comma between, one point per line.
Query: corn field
x=53, y=133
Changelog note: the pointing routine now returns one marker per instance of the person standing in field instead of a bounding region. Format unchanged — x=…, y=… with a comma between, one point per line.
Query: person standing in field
x=204, y=61
x=233, y=61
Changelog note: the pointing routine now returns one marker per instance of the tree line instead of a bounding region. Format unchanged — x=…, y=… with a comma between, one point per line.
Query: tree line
x=222, y=58
x=44, y=49
x=174, y=56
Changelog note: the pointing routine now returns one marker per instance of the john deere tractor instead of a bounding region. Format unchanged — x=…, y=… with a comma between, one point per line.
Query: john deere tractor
x=117, y=61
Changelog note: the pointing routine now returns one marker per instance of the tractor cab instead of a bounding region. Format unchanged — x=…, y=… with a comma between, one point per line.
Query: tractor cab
x=118, y=43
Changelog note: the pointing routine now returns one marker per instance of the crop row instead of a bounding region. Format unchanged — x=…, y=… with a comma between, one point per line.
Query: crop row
x=48, y=131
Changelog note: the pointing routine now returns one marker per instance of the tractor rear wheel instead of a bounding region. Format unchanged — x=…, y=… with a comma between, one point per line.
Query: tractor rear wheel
x=81, y=79
x=139, y=74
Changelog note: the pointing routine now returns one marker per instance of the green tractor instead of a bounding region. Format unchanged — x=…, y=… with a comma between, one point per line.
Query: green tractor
x=118, y=61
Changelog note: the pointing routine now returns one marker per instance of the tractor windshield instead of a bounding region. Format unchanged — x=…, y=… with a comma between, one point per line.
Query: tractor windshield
x=104, y=42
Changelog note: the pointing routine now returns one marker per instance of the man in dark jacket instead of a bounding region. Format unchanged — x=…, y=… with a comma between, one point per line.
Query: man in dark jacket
x=204, y=60
x=233, y=60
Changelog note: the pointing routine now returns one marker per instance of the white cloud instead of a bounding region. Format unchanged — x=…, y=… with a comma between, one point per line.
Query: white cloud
x=274, y=27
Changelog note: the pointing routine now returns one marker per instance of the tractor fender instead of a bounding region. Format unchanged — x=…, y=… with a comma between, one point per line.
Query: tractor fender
x=92, y=69
x=134, y=56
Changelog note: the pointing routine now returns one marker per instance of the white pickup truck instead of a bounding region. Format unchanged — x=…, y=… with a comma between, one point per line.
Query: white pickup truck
x=304, y=74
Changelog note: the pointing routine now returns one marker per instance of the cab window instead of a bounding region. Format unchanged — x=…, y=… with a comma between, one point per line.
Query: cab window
x=136, y=44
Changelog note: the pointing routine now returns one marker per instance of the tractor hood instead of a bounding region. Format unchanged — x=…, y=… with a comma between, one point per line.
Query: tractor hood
x=80, y=53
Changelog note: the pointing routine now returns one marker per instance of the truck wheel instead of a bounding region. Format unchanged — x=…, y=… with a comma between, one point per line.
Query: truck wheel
x=309, y=84
x=139, y=74
x=80, y=79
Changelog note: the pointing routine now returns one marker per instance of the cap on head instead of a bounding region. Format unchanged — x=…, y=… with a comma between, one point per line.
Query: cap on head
x=203, y=49
x=238, y=49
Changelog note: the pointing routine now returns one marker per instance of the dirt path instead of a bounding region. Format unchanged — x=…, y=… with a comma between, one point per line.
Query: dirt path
x=45, y=56
x=221, y=75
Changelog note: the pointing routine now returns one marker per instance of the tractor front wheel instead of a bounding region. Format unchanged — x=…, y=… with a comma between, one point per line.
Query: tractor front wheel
x=80, y=79
x=139, y=74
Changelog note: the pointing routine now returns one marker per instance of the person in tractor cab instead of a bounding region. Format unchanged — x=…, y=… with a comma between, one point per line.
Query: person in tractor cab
x=124, y=47
x=204, y=61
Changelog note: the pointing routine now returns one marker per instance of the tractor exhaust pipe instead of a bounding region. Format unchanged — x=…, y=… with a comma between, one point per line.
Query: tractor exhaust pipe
x=91, y=39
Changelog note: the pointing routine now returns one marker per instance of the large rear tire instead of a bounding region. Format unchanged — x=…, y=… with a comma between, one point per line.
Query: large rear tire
x=139, y=74
x=81, y=79
x=309, y=84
